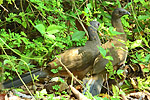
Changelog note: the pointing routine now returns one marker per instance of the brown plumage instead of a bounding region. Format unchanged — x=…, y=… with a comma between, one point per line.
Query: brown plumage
x=119, y=53
x=80, y=58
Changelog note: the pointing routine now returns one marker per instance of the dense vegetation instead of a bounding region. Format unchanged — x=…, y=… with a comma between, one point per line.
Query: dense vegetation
x=32, y=32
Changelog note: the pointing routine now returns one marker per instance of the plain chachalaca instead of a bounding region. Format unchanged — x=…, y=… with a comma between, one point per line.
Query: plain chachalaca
x=78, y=60
x=119, y=53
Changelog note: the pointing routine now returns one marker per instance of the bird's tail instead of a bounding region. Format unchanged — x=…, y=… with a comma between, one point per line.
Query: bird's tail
x=16, y=82
x=95, y=84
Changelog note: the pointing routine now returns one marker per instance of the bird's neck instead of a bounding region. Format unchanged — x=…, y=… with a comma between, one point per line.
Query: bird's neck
x=94, y=37
x=116, y=23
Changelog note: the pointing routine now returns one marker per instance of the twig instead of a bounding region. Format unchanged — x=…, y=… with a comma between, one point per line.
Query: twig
x=16, y=71
x=145, y=49
x=80, y=21
x=38, y=11
x=83, y=4
x=107, y=84
x=4, y=8
x=104, y=7
x=15, y=5
x=78, y=94
x=123, y=96
x=23, y=11
x=68, y=71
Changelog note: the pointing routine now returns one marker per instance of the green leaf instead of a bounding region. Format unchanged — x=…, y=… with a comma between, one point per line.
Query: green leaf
x=56, y=87
x=127, y=82
x=22, y=14
x=109, y=57
x=119, y=71
x=89, y=6
x=138, y=56
x=118, y=3
x=102, y=51
x=0, y=63
x=124, y=22
x=147, y=58
x=143, y=17
x=77, y=35
x=146, y=42
x=142, y=1
x=7, y=62
x=136, y=43
x=106, y=3
x=136, y=1
x=49, y=36
x=59, y=68
x=55, y=64
x=116, y=92
x=86, y=10
x=43, y=91
x=31, y=22
x=145, y=70
x=40, y=28
x=111, y=98
x=61, y=80
x=7, y=73
x=23, y=34
x=16, y=50
x=24, y=24
x=52, y=29
x=12, y=15
x=36, y=77
x=54, y=70
x=1, y=1
x=113, y=45
x=113, y=32
x=60, y=45
x=20, y=90
x=17, y=20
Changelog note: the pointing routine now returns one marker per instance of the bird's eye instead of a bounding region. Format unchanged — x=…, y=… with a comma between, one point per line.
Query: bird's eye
x=98, y=24
x=123, y=12
x=120, y=12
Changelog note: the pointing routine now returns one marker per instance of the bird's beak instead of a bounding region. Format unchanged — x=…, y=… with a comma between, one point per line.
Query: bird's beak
x=128, y=13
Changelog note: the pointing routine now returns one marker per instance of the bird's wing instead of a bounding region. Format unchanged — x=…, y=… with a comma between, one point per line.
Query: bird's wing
x=73, y=59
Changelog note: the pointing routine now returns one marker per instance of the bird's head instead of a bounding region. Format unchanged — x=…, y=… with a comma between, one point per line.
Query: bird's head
x=119, y=12
x=92, y=30
x=95, y=24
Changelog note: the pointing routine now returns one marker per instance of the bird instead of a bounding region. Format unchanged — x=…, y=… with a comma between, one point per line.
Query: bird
x=78, y=60
x=118, y=51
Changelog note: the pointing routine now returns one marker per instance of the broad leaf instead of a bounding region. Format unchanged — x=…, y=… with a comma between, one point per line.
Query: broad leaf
x=102, y=51
x=109, y=57
x=146, y=42
x=40, y=28
x=49, y=36
x=1, y=1
x=143, y=17
x=145, y=70
x=23, y=34
x=52, y=29
x=77, y=35
x=136, y=43
x=113, y=32
x=120, y=72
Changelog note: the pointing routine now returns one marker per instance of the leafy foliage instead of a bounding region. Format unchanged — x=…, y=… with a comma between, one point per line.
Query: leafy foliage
x=34, y=31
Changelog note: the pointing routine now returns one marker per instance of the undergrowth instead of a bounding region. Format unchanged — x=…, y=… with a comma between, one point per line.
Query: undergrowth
x=33, y=32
